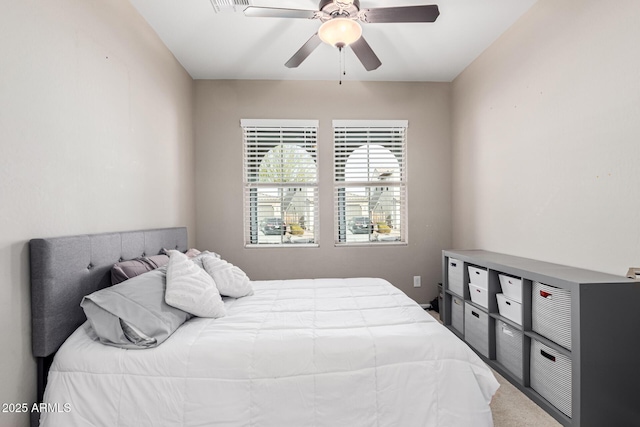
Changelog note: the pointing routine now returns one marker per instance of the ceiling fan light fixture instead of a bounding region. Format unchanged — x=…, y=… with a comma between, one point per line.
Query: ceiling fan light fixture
x=340, y=32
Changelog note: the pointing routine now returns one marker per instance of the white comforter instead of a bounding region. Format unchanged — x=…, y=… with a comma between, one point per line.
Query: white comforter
x=325, y=352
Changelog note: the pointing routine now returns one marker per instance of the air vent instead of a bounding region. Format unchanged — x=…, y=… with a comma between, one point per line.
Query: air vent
x=229, y=5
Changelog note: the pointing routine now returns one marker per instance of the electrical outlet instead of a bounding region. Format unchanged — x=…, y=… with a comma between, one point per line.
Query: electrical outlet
x=416, y=282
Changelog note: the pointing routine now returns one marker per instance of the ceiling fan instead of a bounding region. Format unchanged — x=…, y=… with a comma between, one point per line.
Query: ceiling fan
x=340, y=25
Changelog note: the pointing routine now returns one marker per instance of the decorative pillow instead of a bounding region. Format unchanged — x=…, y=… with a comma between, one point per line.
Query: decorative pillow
x=229, y=279
x=198, y=258
x=192, y=253
x=191, y=289
x=125, y=270
x=133, y=314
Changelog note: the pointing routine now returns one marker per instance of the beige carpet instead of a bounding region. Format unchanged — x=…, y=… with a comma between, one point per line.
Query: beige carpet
x=511, y=408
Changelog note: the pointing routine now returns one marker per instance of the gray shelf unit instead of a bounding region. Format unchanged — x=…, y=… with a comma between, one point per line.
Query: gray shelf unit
x=605, y=344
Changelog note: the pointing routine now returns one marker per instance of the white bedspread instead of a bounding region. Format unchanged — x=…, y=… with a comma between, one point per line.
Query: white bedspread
x=325, y=352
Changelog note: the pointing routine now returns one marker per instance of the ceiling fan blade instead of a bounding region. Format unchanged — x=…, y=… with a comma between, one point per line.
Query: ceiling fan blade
x=365, y=54
x=274, y=12
x=424, y=13
x=304, y=51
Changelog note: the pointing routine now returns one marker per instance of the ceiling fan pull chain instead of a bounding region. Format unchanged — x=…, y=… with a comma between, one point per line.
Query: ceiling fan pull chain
x=340, y=55
x=344, y=64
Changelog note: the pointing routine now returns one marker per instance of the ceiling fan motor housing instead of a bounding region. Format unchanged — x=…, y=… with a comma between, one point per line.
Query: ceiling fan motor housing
x=332, y=9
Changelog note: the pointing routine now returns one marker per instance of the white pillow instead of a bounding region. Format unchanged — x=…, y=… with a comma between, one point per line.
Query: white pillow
x=191, y=289
x=229, y=279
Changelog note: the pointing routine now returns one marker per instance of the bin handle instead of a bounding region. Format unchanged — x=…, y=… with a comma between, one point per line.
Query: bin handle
x=548, y=356
x=453, y=264
x=545, y=294
x=475, y=314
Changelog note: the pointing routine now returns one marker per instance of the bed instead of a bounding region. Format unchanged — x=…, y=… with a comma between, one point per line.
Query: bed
x=323, y=352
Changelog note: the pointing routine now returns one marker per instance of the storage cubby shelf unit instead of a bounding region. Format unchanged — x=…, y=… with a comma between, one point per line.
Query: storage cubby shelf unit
x=575, y=350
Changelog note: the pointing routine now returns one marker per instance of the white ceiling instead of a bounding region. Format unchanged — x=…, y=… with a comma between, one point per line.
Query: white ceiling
x=228, y=45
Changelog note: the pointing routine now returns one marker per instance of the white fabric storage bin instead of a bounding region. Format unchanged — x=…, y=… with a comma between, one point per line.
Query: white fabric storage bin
x=509, y=348
x=551, y=313
x=479, y=277
x=456, y=269
x=511, y=287
x=476, y=329
x=551, y=376
x=510, y=309
x=479, y=295
x=457, y=314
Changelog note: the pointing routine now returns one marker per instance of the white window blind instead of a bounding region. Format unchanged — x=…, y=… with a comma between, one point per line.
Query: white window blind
x=280, y=182
x=370, y=181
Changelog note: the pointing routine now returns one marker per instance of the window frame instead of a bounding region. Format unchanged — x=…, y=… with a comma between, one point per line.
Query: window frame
x=255, y=148
x=343, y=148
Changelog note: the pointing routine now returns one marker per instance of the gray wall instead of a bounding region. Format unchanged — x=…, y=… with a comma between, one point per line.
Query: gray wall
x=221, y=104
x=546, y=138
x=96, y=135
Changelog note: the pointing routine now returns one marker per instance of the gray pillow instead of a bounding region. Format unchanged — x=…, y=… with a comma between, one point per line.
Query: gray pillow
x=133, y=314
x=125, y=270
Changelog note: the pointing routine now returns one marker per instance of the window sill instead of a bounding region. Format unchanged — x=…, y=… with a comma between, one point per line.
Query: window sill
x=280, y=245
x=370, y=244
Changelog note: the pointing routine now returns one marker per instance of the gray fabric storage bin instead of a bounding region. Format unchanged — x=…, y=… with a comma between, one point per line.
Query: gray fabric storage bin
x=509, y=348
x=457, y=314
x=551, y=376
x=476, y=329
x=456, y=276
x=551, y=313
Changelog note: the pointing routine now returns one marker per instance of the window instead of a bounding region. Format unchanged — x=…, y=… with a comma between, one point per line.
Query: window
x=280, y=182
x=370, y=181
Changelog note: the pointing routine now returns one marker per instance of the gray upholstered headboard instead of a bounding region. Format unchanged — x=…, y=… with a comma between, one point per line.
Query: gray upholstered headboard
x=64, y=269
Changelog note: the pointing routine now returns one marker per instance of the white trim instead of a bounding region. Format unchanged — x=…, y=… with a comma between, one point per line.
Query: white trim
x=371, y=123
x=260, y=136
x=280, y=245
x=349, y=136
x=369, y=244
x=278, y=123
